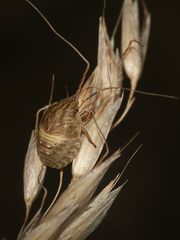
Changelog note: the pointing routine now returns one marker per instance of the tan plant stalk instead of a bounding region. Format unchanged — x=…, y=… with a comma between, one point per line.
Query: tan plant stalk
x=79, y=209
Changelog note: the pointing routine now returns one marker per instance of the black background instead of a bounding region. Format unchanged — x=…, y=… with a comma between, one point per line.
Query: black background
x=30, y=53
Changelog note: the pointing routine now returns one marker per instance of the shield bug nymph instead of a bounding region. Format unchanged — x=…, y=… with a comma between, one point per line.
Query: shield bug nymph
x=59, y=133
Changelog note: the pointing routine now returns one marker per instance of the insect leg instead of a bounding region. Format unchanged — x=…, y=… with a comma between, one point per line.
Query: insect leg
x=87, y=136
x=106, y=144
x=57, y=193
x=130, y=47
x=38, y=113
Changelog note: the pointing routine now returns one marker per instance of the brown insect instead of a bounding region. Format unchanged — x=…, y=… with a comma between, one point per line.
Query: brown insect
x=59, y=133
x=58, y=136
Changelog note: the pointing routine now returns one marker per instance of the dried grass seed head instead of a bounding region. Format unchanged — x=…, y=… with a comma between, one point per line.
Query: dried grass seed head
x=134, y=40
x=107, y=74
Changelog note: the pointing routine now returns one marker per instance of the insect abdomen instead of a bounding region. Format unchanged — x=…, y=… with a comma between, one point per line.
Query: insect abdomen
x=57, y=151
x=59, y=134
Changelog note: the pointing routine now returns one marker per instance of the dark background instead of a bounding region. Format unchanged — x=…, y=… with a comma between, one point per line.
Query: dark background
x=30, y=53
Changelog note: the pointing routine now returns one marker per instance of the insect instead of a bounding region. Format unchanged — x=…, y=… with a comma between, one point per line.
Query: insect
x=59, y=133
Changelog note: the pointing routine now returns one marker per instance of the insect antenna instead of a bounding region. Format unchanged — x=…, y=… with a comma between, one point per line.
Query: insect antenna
x=142, y=92
x=151, y=93
x=104, y=139
x=129, y=90
x=66, y=41
x=45, y=107
x=88, y=65
x=130, y=47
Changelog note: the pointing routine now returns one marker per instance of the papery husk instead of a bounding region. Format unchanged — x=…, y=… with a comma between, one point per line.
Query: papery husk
x=79, y=223
x=45, y=230
x=134, y=40
x=145, y=32
x=91, y=216
x=107, y=74
x=131, y=50
x=88, y=154
x=134, y=43
x=82, y=189
x=107, y=79
x=34, y=172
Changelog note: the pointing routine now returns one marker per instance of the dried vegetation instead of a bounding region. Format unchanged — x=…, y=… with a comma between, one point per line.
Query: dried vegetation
x=79, y=209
